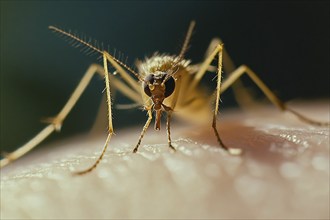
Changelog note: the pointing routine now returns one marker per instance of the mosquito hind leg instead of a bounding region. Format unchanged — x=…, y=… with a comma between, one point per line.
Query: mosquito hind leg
x=55, y=123
x=27, y=147
x=235, y=75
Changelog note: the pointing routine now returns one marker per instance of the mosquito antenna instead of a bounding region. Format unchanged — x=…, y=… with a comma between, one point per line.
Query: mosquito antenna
x=186, y=41
x=74, y=38
x=94, y=47
x=182, y=52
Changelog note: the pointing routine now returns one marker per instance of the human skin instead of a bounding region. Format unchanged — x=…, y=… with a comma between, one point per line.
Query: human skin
x=283, y=173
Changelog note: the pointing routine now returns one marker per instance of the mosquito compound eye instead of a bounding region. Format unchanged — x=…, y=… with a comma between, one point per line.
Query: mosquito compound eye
x=169, y=87
x=148, y=80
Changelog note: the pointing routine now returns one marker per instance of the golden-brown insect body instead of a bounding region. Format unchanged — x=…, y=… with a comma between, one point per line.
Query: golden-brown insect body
x=192, y=105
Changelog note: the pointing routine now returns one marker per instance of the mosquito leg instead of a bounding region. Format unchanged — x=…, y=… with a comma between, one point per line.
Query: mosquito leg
x=55, y=122
x=232, y=151
x=110, y=128
x=9, y=157
x=123, y=88
x=145, y=127
x=169, y=111
x=203, y=68
x=126, y=77
x=98, y=159
x=136, y=86
x=243, y=95
x=268, y=93
x=176, y=93
x=132, y=90
x=218, y=51
x=168, y=126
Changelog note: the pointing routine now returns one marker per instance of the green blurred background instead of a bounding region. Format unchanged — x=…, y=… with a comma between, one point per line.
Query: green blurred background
x=286, y=43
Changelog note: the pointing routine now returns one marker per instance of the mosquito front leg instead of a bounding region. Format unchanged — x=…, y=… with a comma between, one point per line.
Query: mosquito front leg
x=268, y=93
x=145, y=127
x=110, y=128
x=168, y=128
x=169, y=111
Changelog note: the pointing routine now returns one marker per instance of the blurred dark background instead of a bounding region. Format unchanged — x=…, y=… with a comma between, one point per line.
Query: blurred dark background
x=286, y=43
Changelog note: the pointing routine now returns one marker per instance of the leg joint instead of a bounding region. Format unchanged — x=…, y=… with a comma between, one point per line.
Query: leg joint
x=57, y=122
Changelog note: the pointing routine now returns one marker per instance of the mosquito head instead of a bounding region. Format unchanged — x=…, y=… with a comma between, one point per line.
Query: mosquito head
x=156, y=89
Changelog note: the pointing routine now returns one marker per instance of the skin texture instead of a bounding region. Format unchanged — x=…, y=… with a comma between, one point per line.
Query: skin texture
x=284, y=172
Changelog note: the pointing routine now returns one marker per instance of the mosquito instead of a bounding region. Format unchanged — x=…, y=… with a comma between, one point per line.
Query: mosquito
x=163, y=84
